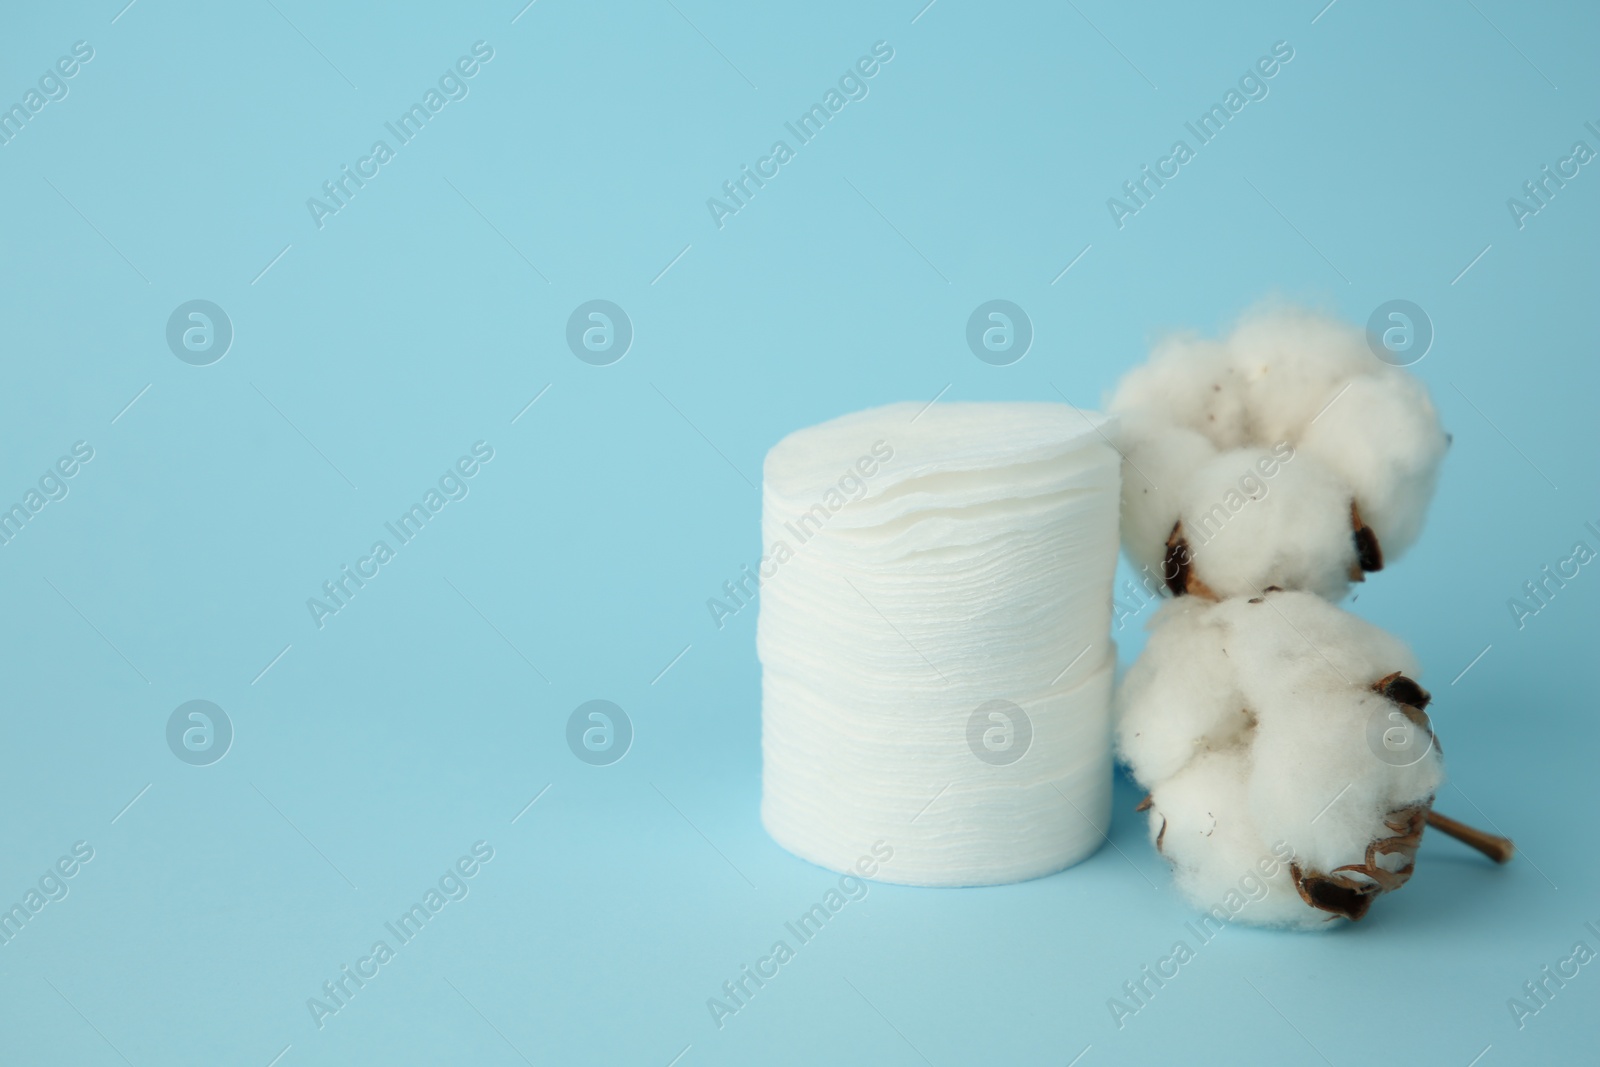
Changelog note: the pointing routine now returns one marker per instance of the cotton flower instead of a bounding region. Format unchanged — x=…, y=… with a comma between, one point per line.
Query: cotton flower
x=1283, y=741
x=1285, y=454
x=1249, y=721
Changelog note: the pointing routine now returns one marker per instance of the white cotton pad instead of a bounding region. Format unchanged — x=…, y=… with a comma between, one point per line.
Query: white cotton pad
x=934, y=634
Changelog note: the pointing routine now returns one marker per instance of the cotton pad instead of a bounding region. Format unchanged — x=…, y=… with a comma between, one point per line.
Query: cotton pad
x=934, y=635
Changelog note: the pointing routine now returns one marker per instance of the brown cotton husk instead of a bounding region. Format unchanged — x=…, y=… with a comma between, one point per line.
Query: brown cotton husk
x=1369, y=554
x=1178, y=567
x=1349, y=891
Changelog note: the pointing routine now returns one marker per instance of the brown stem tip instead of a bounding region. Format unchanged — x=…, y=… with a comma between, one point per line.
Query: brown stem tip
x=1500, y=849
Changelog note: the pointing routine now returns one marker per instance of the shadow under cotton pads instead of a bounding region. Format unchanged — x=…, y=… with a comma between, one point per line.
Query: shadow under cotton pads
x=935, y=640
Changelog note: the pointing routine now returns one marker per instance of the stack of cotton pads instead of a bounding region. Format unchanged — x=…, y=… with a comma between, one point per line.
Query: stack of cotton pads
x=935, y=640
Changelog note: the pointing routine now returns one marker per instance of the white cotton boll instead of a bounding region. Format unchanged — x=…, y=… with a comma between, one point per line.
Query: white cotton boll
x=1383, y=438
x=1285, y=378
x=1247, y=531
x=1179, y=698
x=1190, y=383
x=1302, y=774
x=1200, y=821
x=1290, y=362
x=1158, y=460
x=1307, y=671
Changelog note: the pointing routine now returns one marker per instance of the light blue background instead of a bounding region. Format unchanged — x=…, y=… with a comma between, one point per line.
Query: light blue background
x=423, y=717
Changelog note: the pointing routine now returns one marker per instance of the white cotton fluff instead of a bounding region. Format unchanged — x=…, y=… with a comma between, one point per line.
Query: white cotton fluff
x=1284, y=378
x=1200, y=821
x=1180, y=698
x=1291, y=362
x=934, y=634
x=1307, y=670
x=1190, y=383
x=1247, y=531
x=1250, y=720
x=1384, y=441
x=1151, y=447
